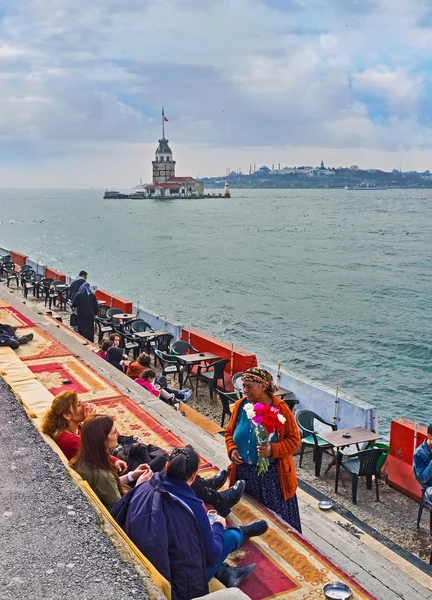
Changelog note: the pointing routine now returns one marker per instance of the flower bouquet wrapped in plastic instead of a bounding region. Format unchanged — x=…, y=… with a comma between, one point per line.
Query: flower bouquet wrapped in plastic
x=267, y=420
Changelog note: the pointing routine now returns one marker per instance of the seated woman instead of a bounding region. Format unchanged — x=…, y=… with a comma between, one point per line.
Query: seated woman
x=137, y=367
x=168, y=523
x=276, y=488
x=62, y=422
x=93, y=461
x=104, y=347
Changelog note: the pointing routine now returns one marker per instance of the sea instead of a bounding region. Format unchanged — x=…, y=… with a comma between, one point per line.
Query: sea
x=336, y=285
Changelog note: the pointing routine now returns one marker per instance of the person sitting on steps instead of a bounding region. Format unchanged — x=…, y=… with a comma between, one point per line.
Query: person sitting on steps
x=137, y=367
x=423, y=465
x=147, y=381
x=168, y=523
x=63, y=422
x=8, y=337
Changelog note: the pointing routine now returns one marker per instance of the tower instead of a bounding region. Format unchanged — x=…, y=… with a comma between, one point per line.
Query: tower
x=163, y=165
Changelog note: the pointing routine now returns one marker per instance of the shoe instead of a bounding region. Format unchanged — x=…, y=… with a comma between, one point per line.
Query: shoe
x=233, y=576
x=29, y=336
x=162, y=381
x=217, y=481
x=253, y=529
x=126, y=439
x=226, y=500
x=186, y=395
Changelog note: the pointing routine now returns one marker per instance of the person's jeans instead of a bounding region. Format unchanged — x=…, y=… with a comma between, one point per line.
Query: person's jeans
x=233, y=539
x=428, y=495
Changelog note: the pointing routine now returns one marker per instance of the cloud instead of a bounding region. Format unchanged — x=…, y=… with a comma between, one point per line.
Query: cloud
x=76, y=77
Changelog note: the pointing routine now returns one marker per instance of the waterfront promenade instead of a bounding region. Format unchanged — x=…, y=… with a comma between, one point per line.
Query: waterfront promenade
x=381, y=572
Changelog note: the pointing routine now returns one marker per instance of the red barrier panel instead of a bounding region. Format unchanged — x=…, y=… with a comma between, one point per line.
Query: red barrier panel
x=53, y=274
x=242, y=360
x=18, y=258
x=114, y=301
x=398, y=466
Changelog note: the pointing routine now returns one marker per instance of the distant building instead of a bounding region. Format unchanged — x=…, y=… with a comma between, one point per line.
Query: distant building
x=165, y=183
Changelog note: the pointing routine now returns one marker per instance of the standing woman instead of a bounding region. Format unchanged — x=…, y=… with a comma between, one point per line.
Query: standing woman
x=87, y=308
x=276, y=488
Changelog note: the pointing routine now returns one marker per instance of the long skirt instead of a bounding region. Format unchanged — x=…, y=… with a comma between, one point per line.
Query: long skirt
x=266, y=489
x=86, y=327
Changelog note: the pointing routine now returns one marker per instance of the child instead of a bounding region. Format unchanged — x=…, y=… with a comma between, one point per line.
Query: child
x=104, y=347
x=147, y=381
x=137, y=367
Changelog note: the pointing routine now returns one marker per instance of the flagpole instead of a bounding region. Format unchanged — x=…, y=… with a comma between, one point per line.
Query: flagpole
x=163, y=122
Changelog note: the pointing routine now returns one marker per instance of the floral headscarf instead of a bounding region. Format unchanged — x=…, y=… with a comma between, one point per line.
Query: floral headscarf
x=260, y=376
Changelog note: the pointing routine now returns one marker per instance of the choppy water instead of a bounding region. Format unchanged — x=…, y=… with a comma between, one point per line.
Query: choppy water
x=335, y=285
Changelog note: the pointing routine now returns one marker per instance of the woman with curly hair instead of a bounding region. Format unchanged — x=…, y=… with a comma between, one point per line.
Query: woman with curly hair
x=62, y=422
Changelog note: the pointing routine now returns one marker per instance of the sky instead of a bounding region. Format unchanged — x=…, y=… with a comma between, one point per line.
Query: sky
x=242, y=81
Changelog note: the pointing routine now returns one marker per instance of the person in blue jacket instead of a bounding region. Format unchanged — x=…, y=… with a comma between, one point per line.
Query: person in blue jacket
x=423, y=465
x=168, y=523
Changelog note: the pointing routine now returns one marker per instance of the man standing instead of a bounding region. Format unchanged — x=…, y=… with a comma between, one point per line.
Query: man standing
x=423, y=465
x=76, y=284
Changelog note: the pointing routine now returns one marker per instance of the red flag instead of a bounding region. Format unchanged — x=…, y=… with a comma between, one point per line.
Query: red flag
x=165, y=119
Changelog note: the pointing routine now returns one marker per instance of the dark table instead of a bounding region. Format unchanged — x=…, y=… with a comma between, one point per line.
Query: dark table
x=187, y=361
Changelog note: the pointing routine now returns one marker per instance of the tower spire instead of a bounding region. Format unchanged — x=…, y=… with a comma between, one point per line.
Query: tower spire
x=163, y=122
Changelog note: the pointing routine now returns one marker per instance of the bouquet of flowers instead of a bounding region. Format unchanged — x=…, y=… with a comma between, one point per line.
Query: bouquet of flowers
x=267, y=419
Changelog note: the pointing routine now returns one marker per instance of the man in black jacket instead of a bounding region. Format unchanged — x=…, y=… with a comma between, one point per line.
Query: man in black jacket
x=76, y=284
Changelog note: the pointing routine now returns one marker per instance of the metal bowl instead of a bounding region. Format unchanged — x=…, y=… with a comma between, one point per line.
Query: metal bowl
x=325, y=504
x=346, y=434
x=337, y=590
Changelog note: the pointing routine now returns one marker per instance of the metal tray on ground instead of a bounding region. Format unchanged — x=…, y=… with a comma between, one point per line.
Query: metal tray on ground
x=337, y=590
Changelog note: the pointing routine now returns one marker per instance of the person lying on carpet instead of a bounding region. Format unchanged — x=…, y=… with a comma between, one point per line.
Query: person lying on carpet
x=8, y=337
x=169, y=524
x=62, y=422
x=103, y=348
x=137, y=367
x=93, y=461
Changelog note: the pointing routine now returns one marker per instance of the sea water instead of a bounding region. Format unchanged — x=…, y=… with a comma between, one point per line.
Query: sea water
x=335, y=285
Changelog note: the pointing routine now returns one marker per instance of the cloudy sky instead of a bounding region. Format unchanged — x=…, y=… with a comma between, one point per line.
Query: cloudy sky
x=242, y=81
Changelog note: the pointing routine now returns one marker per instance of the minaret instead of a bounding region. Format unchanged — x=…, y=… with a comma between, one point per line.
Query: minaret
x=163, y=165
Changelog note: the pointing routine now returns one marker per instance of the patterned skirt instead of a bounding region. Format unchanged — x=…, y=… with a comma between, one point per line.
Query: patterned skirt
x=266, y=489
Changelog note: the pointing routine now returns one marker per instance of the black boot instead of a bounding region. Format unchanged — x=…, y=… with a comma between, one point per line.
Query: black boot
x=222, y=501
x=217, y=481
x=253, y=529
x=233, y=576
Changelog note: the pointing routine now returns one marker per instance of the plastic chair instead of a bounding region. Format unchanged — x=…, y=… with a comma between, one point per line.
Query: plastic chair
x=139, y=325
x=212, y=376
x=361, y=464
x=423, y=504
x=113, y=311
x=37, y=280
x=161, y=343
x=9, y=270
x=170, y=365
x=130, y=343
x=238, y=386
x=305, y=422
x=227, y=398
x=104, y=327
x=27, y=282
x=180, y=347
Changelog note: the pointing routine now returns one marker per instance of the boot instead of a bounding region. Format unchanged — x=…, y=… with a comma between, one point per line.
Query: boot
x=233, y=576
x=222, y=501
x=217, y=481
x=253, y=529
